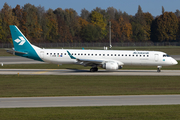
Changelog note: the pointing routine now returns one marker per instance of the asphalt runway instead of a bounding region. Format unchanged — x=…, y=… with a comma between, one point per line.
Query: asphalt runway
x=77, y=101
x=22, y=60
x=87, y=72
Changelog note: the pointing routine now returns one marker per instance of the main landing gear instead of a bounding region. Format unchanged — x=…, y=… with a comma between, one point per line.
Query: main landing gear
x=159, y=68
x=94, y=69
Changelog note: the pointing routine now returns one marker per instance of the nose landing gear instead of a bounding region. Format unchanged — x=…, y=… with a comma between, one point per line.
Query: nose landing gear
x=159, y=68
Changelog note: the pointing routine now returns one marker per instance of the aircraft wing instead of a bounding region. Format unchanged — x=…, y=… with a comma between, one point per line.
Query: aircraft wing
x=89, y=62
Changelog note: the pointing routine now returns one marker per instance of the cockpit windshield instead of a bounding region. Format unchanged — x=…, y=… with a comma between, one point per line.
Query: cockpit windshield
x=165, y=55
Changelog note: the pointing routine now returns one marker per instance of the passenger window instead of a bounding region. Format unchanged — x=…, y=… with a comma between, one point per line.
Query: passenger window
x=92, y=54
x=147, y=55
x=136, y=55
x=95, y=54
x=88, y=54
x=125, y=55
x=81, y=54
x=99, y=54
x=122, y=55
x=84, y=54
x=54, y=53
x=129, y=55
x=103, y=54
x=111, y=54
x=107, y=54
x=114, y=54
x=64, y=53
x=143, y=55
x=133, y=55
x=75, y=54
x=57, y=53
x=47, y=53
x=78, y=54
x=118, y=54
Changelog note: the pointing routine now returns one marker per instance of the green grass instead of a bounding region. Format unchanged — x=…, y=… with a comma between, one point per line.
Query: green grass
x=4, y=53
x=166, y=112
x=73, y=66
x=28, y=85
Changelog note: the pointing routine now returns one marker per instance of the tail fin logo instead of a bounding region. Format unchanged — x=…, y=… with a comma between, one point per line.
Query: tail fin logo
x=20, y=40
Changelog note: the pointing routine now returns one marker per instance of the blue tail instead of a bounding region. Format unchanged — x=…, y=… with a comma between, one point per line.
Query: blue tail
x=22, y=47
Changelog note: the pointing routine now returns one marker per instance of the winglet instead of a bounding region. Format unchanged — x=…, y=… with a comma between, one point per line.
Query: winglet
x=72, y=57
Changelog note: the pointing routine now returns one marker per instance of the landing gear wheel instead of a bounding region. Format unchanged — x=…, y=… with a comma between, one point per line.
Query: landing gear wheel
x=158, y=70
x=94, y=69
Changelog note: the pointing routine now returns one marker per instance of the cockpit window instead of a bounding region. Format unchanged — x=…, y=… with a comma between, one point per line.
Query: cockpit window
x=165, y=55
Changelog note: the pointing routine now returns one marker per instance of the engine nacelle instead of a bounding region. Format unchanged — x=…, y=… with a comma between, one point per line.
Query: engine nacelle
x=110, y=66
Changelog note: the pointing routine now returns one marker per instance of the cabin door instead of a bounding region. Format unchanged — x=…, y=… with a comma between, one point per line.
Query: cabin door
x=156, y=57
x=42, y=54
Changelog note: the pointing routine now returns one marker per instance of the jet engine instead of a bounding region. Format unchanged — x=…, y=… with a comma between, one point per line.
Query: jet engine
x=110, y=66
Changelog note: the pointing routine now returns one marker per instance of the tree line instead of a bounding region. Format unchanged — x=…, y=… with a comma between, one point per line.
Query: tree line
x=66, y=26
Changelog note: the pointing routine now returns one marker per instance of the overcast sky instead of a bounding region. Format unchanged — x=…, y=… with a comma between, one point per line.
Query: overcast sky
x=129, y=6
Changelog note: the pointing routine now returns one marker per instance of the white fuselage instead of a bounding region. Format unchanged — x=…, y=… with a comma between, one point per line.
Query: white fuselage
x=127, y=57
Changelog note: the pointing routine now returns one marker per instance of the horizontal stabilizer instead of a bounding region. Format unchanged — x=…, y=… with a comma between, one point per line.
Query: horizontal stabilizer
x=13, y=52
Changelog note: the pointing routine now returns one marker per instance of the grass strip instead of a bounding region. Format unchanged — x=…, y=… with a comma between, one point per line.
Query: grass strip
x=28, y=85
x=166, y=112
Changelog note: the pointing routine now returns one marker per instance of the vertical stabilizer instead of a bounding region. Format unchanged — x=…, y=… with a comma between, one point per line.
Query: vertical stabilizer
x=21, y=44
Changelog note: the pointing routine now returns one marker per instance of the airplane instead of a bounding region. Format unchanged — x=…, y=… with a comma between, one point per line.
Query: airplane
x=110, y=60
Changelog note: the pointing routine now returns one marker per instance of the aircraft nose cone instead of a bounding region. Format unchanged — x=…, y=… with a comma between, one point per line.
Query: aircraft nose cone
x=174, y=62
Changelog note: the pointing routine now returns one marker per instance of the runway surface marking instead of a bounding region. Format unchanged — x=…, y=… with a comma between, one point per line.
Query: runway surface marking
x=41, y=72
x=87, y=72
x=76, y=101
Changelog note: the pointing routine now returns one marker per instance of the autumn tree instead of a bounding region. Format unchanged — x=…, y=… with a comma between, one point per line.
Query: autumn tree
x=111, y=12
x=52, y=26
x=121, y=30
x=138, y=26
x=34, y=29
x=163, y=10
x=85, y=14
x=165, y=27
x=115, y=31
x=147, y=27
x=21, y=17
x=7, y=19
x=43, y=22
x=91, y=33
x=2, y=32
x=177, y=13
x=98, y=20
x=64, y=34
